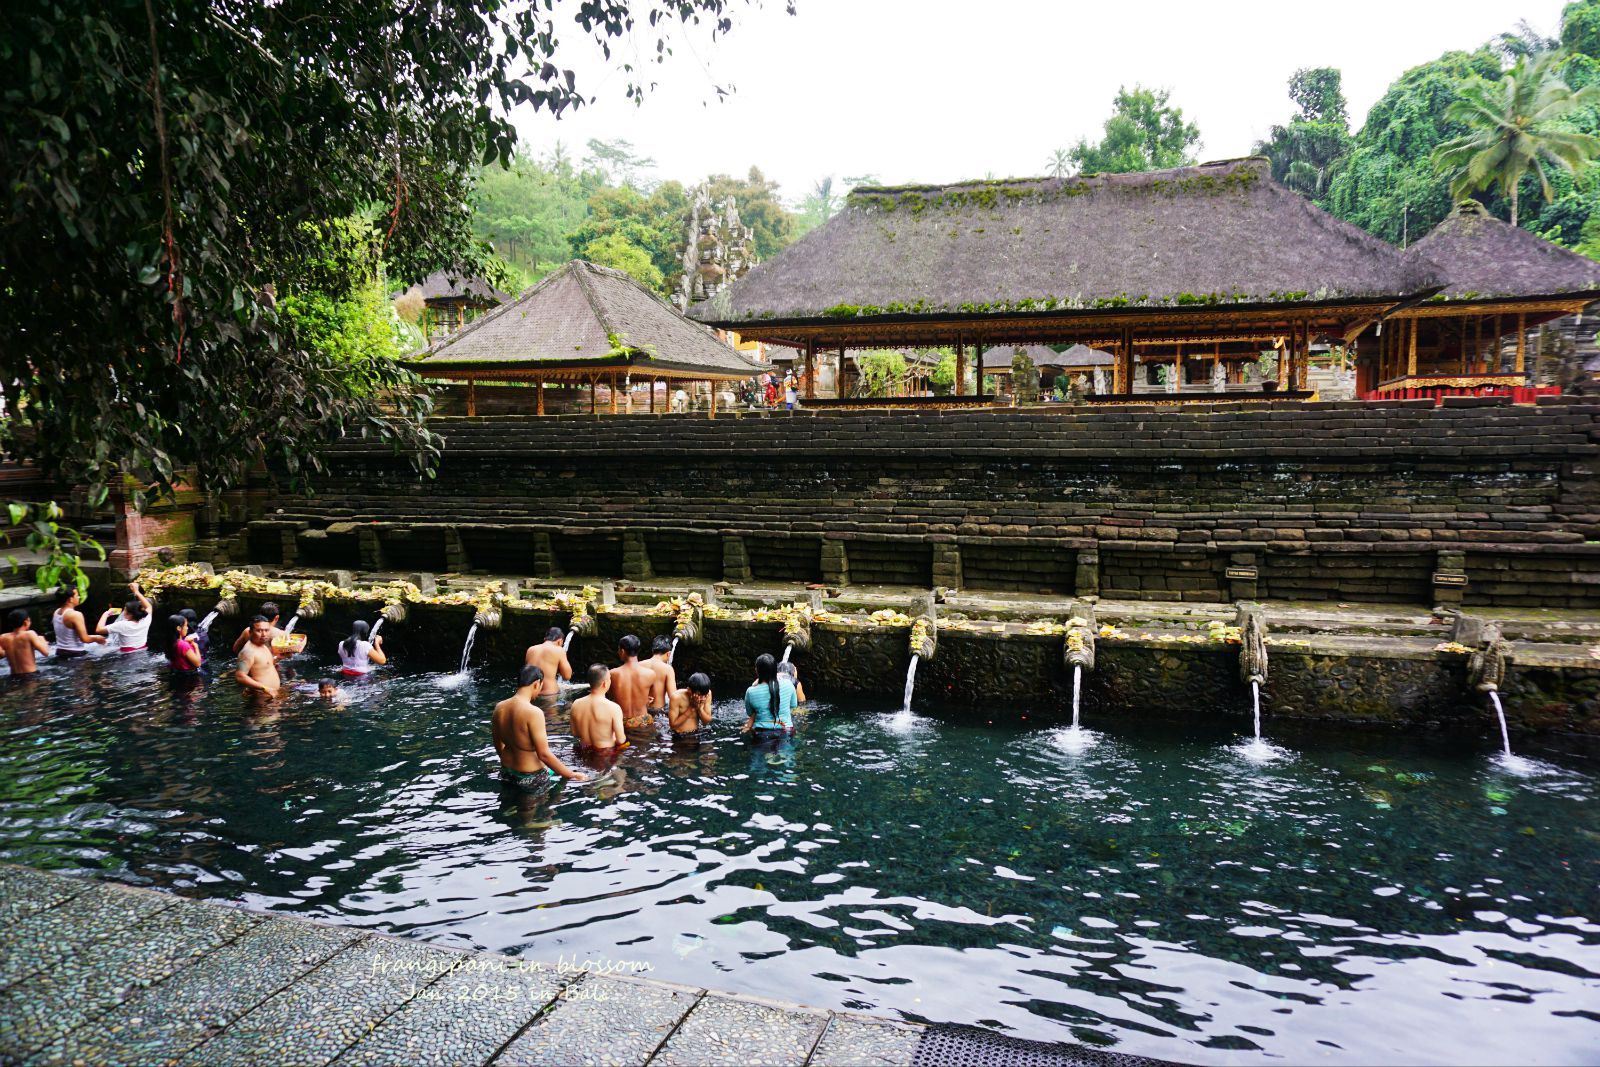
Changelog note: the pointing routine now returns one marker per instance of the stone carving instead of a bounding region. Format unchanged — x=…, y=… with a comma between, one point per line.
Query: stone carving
x=718, y=249
x=1078, y=648
x=1486, y=667
x=1252, y=645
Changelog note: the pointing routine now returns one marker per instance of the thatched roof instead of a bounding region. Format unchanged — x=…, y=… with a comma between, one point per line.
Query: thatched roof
x=587, y=316
x=1220, y=233
x=1486, y=259
x=1074, y=358
x=445, y=286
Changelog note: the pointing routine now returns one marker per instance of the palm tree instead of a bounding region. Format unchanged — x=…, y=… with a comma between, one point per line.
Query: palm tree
x=1513, y=127
x=1060, y=163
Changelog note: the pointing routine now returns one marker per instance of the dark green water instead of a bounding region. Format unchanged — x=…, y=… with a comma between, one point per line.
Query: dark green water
x=1368, y=899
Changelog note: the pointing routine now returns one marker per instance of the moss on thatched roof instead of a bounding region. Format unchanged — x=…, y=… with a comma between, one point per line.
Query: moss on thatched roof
x=1221, y=233
x=582, y=315
x=1486, y=259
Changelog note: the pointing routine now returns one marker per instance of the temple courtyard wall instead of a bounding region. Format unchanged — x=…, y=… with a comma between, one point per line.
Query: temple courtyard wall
x=1485, y=505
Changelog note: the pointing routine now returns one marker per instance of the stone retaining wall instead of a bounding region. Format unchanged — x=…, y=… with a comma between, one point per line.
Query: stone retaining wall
x=1490, y=505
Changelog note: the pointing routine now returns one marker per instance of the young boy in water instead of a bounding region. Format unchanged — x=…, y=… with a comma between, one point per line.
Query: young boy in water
x=517, y=727
x=663, y=679
x=20, y=642
x=597, y=719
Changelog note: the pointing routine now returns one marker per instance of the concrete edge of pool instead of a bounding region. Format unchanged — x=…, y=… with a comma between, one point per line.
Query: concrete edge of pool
x=98, y=972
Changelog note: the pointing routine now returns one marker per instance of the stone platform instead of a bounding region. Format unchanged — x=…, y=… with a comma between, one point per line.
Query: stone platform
x=100, y=973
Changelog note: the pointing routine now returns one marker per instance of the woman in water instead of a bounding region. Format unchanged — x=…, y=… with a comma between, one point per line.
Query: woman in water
x=184, y=656
x=770, y=702
x=357, y=655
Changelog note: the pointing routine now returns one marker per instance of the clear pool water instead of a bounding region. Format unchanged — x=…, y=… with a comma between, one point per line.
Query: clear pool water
x=1366, y=899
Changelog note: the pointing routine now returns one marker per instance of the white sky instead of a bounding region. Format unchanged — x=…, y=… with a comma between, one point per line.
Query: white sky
x=939, y=90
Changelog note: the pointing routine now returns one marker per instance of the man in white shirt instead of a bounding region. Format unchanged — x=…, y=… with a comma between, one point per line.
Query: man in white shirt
x=131, y=630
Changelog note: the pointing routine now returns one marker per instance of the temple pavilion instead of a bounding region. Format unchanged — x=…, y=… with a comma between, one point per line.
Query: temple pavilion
x=1202, y=270
x=588, y=328
x=451, y=299
x=1471, y=338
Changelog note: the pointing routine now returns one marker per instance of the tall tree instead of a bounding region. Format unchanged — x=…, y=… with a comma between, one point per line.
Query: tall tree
x=620, y=163
x=1386, y=184
x=1060, y=164
x=1144, y=132
x=1514, y=129
x=1305, y=152
x=161, y=161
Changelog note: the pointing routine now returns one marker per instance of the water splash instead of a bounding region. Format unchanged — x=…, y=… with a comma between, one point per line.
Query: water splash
x=1257, y=750
x=673, y=651
x=1075, y=738
x=205, y=623
x=787, y=649
x=911, y=681
x=461, y=677
x=294, y=620
x=376, y=626
x=1255, y=705
x=567, y=641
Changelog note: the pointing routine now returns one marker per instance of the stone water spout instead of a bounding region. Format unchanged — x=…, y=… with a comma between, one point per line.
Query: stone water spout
x=690, y=625
x=1077, y=650
x=1486, y=667
x=1252, y=645
x=394, y=612
x=924, y=637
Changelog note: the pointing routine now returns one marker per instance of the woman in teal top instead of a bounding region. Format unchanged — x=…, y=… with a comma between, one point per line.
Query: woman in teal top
x=770, y=702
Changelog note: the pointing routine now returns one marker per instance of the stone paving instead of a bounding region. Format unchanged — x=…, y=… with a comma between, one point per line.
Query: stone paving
x=100, y=973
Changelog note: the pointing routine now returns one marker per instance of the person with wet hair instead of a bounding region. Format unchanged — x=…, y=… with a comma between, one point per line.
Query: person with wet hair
x=184, y=655
x=770, y=702
x=72, y=629
x=20, y=643
x=357, y=655
x=663, y=679
x=258, y=669
x=690, y=711
x=517, y=727
x=630, y=687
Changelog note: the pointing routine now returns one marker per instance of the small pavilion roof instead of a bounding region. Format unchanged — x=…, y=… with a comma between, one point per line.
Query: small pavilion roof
x=444, y=285
x=1487, y=259
x=1078, y=356
x=582, y=318
x=1217, y=234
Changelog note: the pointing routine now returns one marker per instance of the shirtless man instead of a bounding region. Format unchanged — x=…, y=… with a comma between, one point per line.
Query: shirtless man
x=631, y=686
x=690, y=710
x=269, y=611
x=551, y=659
x=19, y=642
x=517, y=726
x=596, y=718
x=257, y=669
x=664, y=680
x=72, y=629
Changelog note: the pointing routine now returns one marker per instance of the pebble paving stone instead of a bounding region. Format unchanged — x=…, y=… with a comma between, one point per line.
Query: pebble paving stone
x=84, y=986
x=464, y=1017
x=859, y=1041
x=602, y=1020
x=46, y=937
x=317, y=1018
x=742, y=1030
x=169, y=1019
x=23, y=892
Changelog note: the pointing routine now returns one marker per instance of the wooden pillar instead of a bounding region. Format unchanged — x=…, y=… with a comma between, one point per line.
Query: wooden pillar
x=811, y=370
x=961, y=368
x=712, y=413
x=1304, y=381
x=1411, y=351
x=613, y=392
x=472, y=398
x=977, y=372
x=594, y=385
x=653, y=382
x=538, y=385
x=1480, y=361
x=1522, y=342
